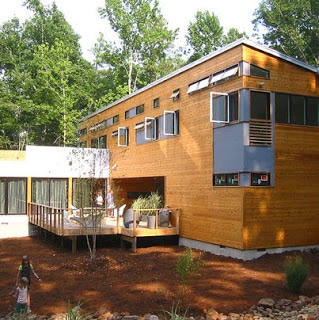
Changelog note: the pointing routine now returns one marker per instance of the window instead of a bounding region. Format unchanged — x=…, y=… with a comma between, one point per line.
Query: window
x=260, y=128
x=259, y=105
x=146, y=131
x=83, y=132
x=150, y=128
x=122, y=137
x=297, y=110
x=171, y=123
x=218, y=107
x=228, y=179
x=156, y=103
x=83, y=144
x=175, y=95
x=282, y=108
x=13, y=197
x=312, y=117
x=104, y=124
x=134, y=111
x=99, y=143
x=50, y=192
x=224, y=75
x=260, y=179
x=199, y=85
x=82, y=192
x=224, y=107
x=294, y=109
x=258, y=72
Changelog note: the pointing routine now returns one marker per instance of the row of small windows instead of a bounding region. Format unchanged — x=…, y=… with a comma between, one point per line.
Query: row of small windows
x=227, y=74
x=214, y=79
x=150, y=129
x=101, y=125
x=259, y=179
x=290, y=109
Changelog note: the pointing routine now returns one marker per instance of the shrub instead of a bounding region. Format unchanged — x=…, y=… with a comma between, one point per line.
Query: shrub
x=296, y=271
x=176, y=313
x=187, y=265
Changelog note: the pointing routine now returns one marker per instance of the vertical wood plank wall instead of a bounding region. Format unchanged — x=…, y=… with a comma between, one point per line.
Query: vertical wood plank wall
x=242, y=218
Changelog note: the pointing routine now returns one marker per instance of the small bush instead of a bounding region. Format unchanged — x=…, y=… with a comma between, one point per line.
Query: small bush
x=176, y=313
x=296, y=271
x=188, y=266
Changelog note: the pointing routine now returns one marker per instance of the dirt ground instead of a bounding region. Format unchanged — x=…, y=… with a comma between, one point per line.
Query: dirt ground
x=142, y=282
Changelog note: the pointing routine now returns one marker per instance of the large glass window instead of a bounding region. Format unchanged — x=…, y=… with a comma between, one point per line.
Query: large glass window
x=50, y=192
x=312, y=111
x=282, y=107
x=13, y=196
x=297, y=109
x=82, y=192
x=259, y=105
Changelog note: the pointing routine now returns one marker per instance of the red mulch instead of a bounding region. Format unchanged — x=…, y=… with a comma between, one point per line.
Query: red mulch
x=142, y=282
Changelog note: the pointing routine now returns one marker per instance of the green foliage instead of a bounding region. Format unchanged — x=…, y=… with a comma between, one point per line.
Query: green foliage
x=176, y=313
x=206, y=35
x=46, y=85
x=187, y=265
x=296, y=271
x=144, y=52
x=153, y=201
x=75, y=313
x=291, y=27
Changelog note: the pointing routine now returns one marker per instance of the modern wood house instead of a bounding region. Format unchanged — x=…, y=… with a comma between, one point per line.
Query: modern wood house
x=232, y=140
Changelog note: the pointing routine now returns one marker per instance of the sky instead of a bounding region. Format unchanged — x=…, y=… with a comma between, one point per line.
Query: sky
x=86, y=22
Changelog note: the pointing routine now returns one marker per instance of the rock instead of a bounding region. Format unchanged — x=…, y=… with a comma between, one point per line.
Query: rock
x=212, y=314
x=266, y=303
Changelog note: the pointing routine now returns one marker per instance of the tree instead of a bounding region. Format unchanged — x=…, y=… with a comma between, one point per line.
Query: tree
x=206, y=35
x=45, y=84
x=144, y=51
x=291, y=27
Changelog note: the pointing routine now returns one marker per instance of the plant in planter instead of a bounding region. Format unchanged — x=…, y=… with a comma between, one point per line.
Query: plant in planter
x=153, y=201
x=138, y=204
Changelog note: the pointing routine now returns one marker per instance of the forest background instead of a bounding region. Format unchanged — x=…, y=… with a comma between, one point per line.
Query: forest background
x=47, y=86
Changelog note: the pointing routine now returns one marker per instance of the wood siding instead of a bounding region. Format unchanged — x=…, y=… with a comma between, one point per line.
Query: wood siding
x=288, y=214
x=237, y=217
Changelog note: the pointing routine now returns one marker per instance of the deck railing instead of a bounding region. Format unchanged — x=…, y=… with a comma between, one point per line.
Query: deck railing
x=46, y=217
x=173, y=218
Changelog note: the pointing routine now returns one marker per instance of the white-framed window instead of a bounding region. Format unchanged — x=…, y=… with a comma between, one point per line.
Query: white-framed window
x=224, y=107
x=150, y=128
x=219, y=107
x=198, y=85
x=122, y=137
x=224, y=75
x=171, y=123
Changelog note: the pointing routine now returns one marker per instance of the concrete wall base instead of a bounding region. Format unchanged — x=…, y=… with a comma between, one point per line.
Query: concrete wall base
x=236, y=253
x=15, y=226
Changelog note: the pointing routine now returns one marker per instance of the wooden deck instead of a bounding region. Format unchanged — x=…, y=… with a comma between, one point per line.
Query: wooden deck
x=56, y=221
